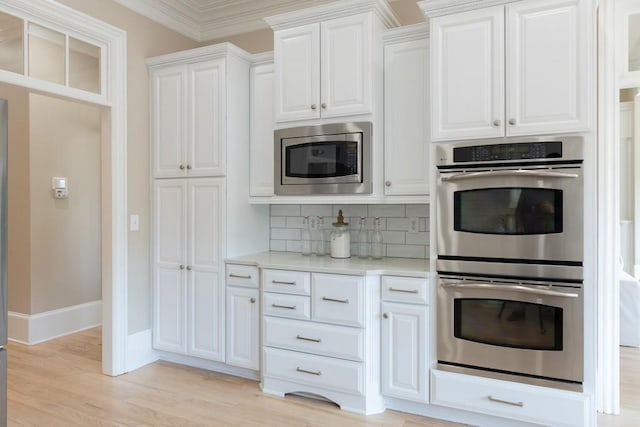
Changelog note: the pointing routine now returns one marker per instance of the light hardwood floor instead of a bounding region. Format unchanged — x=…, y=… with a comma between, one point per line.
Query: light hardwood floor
x=59, y=383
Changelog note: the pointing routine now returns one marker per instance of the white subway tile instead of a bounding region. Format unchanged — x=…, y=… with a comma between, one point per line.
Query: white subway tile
x=294, y=246
x=349, y=210
x=417, y=238
x=424, y=224
x=398, y=224
x=294, y=222
x=391, y=237
x=386, y=210
x=285, y=234
x=407, y=251
x=317, y=210
x=421, y=211
x=278, y=222
x=278, y=245
x=285, y=210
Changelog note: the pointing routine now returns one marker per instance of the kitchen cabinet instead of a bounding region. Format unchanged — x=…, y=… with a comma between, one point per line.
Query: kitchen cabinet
x=404, y=338
x=188, y=281
x=321, y=336
x=261, y=124
x=243, y=317
x=324, y=69
x=519, y=69
x=406, y=110
x=188, y=119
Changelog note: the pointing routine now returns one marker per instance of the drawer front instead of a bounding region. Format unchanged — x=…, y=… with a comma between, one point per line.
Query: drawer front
x=510, y=400
x=288, y=282
x=292, y=306
x=338, y=298
x=317, y=338
x=242, y=275
x=405, y=289
x=325, y=372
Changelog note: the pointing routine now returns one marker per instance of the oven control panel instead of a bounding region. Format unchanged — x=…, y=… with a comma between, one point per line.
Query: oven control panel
x=511, y=151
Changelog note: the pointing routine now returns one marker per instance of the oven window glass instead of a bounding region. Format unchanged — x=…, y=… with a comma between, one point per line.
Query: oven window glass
x=510, y=210
x=322, y=159
x=508, y=323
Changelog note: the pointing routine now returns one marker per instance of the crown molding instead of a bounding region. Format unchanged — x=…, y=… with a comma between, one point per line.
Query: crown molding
x=433, y=8
x=262, y=58
x=406, y=33
x=220, y=50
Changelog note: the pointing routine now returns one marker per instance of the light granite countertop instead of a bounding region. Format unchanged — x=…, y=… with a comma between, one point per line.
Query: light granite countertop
x=325, y=264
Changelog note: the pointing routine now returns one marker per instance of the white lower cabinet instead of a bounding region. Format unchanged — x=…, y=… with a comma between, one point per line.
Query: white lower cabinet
x=323, y=338
x=404, y=339
x=243, y=326
x=506, y=399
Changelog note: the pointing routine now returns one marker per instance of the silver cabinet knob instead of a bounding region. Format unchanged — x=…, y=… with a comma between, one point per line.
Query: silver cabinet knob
x=387, y=183
x=385, y=315
x=188, y=267
x=181, y=267
x=496, y=123
x=314, y=107
x=181, y=167
x=323, y=105
x=189, y=167
x=512, y=121
x=253, y=300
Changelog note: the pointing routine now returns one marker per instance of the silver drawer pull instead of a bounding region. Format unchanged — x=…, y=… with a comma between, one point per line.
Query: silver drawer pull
x=343, y=301
x=300, y=337
x=299, y=369
x=406, y=291
x=278, y=282
x=239, y=276
x=288, y=307
x=506, y=402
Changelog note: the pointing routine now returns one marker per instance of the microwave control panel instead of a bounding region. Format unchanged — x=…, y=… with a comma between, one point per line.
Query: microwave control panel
x=511, y=151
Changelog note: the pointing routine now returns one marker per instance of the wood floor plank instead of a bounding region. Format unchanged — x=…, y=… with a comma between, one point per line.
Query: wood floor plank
x=59, y=383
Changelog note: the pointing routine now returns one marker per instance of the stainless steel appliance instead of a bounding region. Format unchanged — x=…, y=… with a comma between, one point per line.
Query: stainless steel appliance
x=510, y=250
x=3, y=261
x=325, y=159
x=518, y=202
x=533, y=329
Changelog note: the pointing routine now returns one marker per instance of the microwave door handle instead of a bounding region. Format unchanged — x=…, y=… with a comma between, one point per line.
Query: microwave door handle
x=509, y=173
x=513, y=288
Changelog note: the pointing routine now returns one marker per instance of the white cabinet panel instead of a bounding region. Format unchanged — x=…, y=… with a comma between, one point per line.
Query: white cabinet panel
x=169, y=298
x=170, y=225
x=243, y=326
x=337, y=298
x=206, y=315
x=206, y=214
x=168, y=104
x=406, y=118
x=261, y=122
x=404, y=351
x=287, y=282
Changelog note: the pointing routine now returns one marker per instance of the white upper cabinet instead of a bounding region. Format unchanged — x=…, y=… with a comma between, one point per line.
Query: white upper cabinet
x=188, y=119
x=323, y=69
x=520, y=69
x=406, y=116
x=261, y=134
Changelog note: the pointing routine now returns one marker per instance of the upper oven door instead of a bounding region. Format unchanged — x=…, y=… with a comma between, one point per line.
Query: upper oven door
x=529, y=213
x=324, y=159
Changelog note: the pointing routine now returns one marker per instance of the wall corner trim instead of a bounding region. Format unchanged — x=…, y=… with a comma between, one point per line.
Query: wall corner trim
x=140, y=350
x=36, y=328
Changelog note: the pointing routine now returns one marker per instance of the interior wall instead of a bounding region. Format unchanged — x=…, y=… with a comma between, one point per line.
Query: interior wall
x=18, y=202
x=145, y=38
x=64, y=141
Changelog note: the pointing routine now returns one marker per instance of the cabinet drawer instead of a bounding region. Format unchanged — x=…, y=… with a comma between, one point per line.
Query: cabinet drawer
x=288, y=282
x=293, y=306
x=242, y=275
x=326, y=340
x=405, y=289
x=510, y=400
x=335, y=374
x=338, y=298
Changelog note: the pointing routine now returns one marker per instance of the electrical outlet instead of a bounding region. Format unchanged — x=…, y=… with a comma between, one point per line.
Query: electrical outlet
x=313, y=223
x=414, y=225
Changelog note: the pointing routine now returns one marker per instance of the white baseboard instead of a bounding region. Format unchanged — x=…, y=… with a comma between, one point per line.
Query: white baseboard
x=36, y=328
x=140, y=351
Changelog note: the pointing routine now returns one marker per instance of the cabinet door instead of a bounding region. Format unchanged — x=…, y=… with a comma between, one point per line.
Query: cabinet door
x=205, y=270
x=404, y=351
x=207, y=119
x=243, y=324
x=547, y=67
x=467, y=82
x=169, y=259
x=406, y=118
x=297, y=63
x=346, y=76
x=168, y=117
x=261, y=122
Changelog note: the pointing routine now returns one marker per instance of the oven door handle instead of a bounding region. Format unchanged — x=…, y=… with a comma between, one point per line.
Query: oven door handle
x=509, y=173
x=513, y=288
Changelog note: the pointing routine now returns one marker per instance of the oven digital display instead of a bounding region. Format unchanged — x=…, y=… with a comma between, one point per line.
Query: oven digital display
x=508, y=211
x=514, y=151
x=508, y=323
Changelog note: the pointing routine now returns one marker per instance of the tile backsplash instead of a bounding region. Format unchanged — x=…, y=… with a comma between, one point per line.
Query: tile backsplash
x=395, y=222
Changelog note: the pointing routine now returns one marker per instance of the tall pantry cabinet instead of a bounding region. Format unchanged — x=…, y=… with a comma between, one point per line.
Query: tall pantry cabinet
x=200, y=210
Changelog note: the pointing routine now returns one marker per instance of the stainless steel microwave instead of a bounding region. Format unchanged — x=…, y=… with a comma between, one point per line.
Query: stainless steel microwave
x=324, y=159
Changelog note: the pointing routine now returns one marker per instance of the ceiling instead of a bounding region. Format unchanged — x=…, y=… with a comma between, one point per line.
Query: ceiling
x=205, y=20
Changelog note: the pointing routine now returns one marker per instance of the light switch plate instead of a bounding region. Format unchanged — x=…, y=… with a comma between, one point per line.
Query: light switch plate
x=414, y=225
x=134, y=222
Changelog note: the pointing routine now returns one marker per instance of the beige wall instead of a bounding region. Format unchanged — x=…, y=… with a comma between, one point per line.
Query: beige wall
x=64, y=140
x=18, y=203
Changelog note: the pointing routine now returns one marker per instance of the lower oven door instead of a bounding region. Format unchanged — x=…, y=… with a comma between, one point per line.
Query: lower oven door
x=531, y=329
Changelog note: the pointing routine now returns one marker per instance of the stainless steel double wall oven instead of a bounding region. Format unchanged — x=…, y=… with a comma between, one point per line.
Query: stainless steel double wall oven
x=510, y=251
